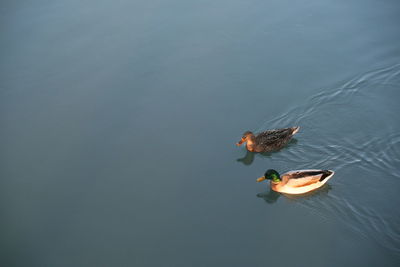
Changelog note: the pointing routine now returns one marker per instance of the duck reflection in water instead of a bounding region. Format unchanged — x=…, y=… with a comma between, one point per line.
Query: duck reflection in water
x=249, y=157
x=271, y=196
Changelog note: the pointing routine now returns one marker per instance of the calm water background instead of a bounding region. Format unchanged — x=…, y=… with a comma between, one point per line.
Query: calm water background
x=118, y=123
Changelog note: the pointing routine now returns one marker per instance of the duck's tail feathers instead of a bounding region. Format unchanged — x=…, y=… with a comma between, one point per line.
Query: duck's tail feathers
x=325, y=173
x=295, y=129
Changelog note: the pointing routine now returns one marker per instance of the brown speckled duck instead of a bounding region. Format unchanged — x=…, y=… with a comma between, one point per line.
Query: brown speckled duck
x=267, y=141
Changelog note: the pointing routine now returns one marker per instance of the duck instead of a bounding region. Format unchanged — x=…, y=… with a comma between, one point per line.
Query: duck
x=267, y=141
x=298, y=181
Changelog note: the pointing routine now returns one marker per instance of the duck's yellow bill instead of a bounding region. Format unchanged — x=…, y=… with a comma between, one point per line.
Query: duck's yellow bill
x=261, y=179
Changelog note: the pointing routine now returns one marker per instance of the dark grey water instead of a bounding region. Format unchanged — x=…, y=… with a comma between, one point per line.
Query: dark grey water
x=118, y=123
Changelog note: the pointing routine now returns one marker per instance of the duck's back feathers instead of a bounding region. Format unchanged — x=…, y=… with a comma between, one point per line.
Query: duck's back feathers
x=322, y=174
x=278, y=133
x=274, y=139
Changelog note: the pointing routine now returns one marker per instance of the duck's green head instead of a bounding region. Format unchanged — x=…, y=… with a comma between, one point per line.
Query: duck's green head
x=270, y=175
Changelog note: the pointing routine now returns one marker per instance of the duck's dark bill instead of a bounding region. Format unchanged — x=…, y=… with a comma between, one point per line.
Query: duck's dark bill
x=261, y=179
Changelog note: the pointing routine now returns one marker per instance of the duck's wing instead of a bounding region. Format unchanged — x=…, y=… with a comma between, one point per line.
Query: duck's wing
x=272, y=136
x=305, y=177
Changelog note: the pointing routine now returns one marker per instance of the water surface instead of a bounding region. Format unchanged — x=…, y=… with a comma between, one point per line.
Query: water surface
x=119, y=118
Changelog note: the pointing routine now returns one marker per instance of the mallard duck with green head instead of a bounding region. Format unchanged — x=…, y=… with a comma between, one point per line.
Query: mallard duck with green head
x=297, y=182
x=267, y=141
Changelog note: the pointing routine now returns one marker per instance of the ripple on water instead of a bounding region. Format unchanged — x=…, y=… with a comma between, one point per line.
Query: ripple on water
x=345, y=130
